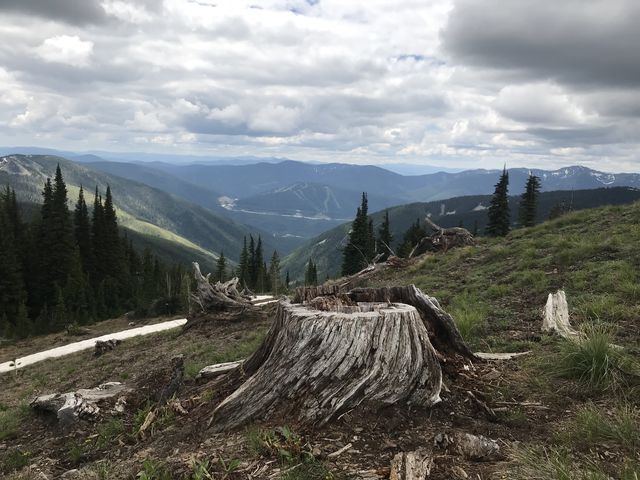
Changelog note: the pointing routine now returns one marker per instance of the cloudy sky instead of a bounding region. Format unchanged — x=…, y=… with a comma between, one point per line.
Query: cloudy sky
x=456, y=83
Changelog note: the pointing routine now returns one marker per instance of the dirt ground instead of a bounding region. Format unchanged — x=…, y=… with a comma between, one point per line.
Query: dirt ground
x=506, y=401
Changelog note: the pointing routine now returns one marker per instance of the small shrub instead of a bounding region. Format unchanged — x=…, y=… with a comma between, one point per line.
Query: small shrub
x=108, y=431
x=154, y=470
x=592, y=359
x=14, y=460
x=200, y=471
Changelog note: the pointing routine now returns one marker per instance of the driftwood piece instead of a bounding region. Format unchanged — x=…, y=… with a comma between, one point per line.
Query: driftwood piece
x=500, y=356
x=414, y=465
x=217, y=297
x=556, y=316
x=326, y=363
x=442, y=240
x=213, y=371
x=83, y=403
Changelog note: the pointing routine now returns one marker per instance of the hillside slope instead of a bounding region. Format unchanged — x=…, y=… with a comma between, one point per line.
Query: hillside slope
x=152, y=213
x=326, y=249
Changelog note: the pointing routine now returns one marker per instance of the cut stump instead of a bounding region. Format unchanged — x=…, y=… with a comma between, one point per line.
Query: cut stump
x=415, y=465
x=334, y=352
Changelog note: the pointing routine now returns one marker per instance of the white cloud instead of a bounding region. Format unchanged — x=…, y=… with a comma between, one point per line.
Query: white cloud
x=69, y=49
x=361, y=81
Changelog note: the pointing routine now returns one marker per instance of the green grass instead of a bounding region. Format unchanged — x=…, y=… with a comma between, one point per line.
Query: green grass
x=13, y=460
x=594, y=426
x=592, y=360
x=470, y=314
x=10, y=419
x=108, y=431
x=154, y=470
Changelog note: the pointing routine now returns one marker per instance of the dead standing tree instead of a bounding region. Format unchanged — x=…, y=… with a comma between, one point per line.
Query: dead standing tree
x=334, y=351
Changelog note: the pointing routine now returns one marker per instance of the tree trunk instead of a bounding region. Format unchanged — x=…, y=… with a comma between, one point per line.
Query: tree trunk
x=337, y=351
x=217, y=297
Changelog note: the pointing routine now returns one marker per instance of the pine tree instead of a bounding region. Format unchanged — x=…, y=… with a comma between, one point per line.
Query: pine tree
x=252, y=267
x=361, y=247
x=385, y=238
x=23, y=326
x=97, y=240
x=221, y=268
x=60, y=318
x=243, y=265
x=311, y=274
x=274, y=272
x=529, y=202
x=499, y=213
x=82, y=231
x=12, y=289
x=475, y=228
x=61, y=231
x=287, y=281
x=111, y=239
x=260, y=270
x=412, y=236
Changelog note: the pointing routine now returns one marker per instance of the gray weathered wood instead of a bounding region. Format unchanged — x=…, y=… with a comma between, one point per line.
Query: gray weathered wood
x=414, y=465
x=314, y=365
x=220, y=296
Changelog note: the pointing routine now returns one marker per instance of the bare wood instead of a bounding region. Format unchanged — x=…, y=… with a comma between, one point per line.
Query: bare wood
x=443, y=239
x=443, y=332
x=556, y=316
x=83, y=403
x=414, y=465
x=326, y=363
x=213, y=371
x=210, y=297
x=500, y=356
x=339, y=452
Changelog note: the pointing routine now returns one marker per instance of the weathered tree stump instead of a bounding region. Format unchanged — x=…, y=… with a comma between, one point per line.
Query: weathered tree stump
x=219, y=296
x=556, y=316
x=363, y=347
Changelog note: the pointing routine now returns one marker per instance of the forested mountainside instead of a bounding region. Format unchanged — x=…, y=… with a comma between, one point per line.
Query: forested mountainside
x=469, y=211
x=162, y=219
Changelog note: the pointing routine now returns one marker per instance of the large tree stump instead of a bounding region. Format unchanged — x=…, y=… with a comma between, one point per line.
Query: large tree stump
x=315, y=365
x=336, y=351
x=442, y=239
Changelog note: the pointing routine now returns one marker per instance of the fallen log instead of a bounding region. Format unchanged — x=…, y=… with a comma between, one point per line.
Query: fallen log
x=414, y=465
x=333, y=353
x=104, y=346
x=217, y=297
x=472, y=447
x=213, y=371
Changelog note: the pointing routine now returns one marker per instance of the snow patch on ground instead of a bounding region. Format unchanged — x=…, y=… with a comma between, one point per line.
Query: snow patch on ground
x=90, y=343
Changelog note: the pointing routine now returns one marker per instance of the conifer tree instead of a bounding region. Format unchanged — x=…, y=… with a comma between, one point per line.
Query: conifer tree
x=274, y=272
x=412, y=236
x=82, y=231
x=287, y=280
x=529, y=202
x=252, y=266
x=385, y=238
x=97, y=240
x=475, y=228
x=499, y=214
x=361, y=247
x=311, y=274
x=23, y=327
x=260, y=271
x=60, y=318
x=111, y=239
x=12, y=290
x=61, y=231
x=221, y=268
x=243, y=265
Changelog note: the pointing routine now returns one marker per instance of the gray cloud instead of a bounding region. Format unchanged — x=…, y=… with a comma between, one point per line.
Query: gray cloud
x=573, y=41
x=76, y=12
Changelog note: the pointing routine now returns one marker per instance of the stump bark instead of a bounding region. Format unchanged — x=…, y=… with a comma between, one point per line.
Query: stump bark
x=443, y=239
x=334, y=352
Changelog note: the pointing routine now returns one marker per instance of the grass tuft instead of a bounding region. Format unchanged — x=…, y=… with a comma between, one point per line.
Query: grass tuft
x=592, y=360
x=469, y=313
x=594, y=426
